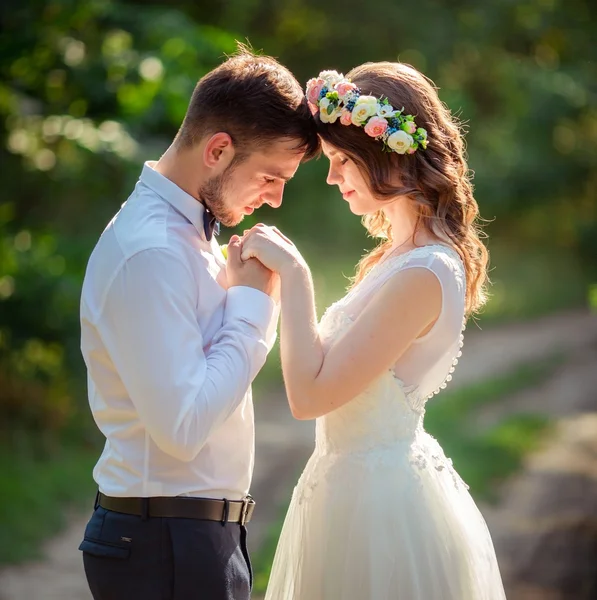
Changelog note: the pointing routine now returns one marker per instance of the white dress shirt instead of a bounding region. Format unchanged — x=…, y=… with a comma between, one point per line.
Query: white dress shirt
x=170, y=352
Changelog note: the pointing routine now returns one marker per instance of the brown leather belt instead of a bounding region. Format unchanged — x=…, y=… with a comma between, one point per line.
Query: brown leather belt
x=207, y=509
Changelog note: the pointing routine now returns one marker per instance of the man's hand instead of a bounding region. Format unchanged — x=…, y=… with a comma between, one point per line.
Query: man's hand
x=251, y=272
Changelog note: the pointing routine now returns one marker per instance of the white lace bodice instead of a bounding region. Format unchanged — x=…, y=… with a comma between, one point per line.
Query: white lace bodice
x=391, y=409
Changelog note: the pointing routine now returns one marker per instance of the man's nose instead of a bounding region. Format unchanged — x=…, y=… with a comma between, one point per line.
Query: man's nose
x=274, y=197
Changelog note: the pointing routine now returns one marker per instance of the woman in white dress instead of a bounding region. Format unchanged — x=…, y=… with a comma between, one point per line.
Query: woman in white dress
x=379, y=512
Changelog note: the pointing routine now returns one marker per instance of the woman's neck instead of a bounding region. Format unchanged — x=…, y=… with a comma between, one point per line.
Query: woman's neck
x=406, y=231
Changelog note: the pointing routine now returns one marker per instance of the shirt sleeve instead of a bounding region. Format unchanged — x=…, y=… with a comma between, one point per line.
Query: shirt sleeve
x=149, y=326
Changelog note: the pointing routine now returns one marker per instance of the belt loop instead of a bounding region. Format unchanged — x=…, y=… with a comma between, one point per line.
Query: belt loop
x=144, y=509
x=225, y=512
x=96, y=502
x=244, y=511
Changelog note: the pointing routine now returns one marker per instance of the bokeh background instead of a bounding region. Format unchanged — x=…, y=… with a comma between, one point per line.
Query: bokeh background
x=89, y=89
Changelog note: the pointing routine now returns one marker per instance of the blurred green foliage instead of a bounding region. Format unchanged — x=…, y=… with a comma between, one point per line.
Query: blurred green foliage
x=91, y=88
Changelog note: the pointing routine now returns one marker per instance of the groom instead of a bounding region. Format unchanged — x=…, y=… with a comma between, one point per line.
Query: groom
x=172, y=337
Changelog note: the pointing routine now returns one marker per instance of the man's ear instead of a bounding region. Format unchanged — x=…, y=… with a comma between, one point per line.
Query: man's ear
x=218, y=152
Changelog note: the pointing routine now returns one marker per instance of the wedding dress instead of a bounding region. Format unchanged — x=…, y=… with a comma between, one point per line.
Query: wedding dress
x=379, y=513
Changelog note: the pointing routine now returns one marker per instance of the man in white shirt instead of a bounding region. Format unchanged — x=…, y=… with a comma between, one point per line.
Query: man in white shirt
x=173, y=335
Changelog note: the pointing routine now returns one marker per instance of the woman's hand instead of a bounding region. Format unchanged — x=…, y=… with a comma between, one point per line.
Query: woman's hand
x=271, y=247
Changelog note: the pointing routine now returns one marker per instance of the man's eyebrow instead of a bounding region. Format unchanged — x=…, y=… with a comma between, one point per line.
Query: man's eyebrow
x=279, y=175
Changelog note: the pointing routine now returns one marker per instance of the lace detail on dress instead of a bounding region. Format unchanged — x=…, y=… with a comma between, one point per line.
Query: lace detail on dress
x=386, y=413
x=433, y=457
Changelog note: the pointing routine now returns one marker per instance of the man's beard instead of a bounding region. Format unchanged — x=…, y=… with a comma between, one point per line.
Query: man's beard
x=212, y=194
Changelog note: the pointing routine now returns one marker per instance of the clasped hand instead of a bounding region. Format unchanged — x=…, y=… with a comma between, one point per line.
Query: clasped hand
x=259, y=257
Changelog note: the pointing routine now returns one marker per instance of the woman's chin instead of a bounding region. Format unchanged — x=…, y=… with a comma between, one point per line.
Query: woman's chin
x=358, y=210
x=355, y=209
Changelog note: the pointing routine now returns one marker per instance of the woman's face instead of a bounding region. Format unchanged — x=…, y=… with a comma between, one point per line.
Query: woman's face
x=350, y=181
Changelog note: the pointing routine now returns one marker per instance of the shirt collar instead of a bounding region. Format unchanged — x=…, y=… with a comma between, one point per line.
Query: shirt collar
x=184, y=203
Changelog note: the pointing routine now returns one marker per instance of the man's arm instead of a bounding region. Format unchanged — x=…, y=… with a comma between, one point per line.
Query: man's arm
x=149, y=325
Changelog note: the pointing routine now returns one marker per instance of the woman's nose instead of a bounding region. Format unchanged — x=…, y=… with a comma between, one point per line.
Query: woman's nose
x=334, y=177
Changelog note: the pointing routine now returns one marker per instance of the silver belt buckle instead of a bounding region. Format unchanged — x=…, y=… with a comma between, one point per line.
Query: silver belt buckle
x=244, y=511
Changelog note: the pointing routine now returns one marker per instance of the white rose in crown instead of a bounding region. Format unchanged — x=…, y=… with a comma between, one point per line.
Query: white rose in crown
x=365, y=107
x=400, y=142
x=331, y=78
x=324, y=117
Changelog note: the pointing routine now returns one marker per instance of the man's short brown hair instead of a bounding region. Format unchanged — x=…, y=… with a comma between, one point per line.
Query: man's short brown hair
x=254, y=99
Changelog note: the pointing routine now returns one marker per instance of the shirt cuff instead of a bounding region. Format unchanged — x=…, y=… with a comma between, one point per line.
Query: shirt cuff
x=250, y=305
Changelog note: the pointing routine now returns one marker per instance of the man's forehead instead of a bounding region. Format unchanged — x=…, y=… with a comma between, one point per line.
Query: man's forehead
x=282, y=162
x=289, y=147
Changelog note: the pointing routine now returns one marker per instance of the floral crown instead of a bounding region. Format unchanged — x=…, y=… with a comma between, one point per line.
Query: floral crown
x=338, y=98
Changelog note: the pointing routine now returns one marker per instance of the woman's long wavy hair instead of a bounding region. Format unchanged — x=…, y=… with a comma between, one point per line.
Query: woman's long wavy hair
x=437, y=179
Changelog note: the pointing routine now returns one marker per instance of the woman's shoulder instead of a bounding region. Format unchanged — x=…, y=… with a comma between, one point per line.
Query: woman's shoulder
x=442, y=260
x=427, y=255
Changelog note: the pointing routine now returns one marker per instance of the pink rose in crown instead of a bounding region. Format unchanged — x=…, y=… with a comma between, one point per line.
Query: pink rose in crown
x=411, y=150
x=376, y=126
x=314, y=87
x=346, y=117
x=344, y=88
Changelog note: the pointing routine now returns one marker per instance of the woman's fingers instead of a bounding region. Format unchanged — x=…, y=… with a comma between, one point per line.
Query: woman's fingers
x=248, y=249
x=257, y=239
x=276, y=230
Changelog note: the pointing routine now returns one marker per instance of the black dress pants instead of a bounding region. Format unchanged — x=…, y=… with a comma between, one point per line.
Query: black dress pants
x=129, y=558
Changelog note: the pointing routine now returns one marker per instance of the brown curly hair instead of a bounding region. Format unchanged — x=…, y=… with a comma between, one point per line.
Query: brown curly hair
x=437, y=179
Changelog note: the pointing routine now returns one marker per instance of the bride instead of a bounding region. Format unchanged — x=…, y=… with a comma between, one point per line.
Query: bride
x=379, y=513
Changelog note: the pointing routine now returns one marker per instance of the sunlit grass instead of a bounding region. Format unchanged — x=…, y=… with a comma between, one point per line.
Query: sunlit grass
x=35, y=495
x=483, y=458
x=448, y=410
x=592, y=296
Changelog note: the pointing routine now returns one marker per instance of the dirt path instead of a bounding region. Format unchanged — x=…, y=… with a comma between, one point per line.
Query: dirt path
x=283, y=444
